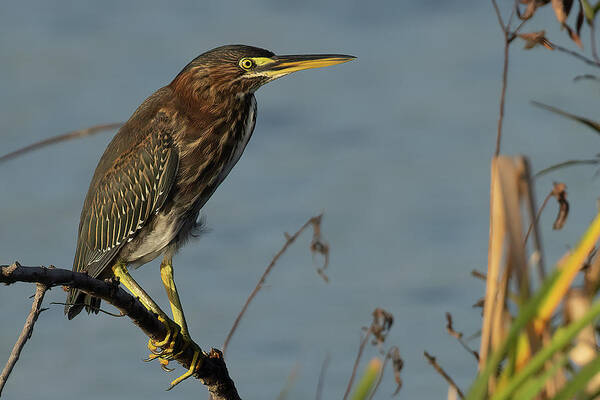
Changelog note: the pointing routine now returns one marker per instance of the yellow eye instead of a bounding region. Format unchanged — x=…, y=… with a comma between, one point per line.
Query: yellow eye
x=246, y=64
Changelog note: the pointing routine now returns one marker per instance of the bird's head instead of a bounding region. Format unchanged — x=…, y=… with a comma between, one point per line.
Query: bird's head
x=238, y=69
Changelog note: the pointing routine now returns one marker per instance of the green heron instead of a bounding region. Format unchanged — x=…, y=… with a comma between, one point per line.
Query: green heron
x=165, y=163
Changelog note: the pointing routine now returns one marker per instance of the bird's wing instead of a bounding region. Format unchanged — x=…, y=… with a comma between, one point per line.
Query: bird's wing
x=118, y=205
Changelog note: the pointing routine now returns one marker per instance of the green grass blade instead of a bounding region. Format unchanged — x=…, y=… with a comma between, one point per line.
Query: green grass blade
x=528, y=312
x=539, y=309
x=533, y=386
x=579, y=381
x=366, y=383
x=559, y=341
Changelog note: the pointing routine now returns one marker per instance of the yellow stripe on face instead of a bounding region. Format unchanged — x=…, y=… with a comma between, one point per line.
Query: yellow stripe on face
x=260, y=61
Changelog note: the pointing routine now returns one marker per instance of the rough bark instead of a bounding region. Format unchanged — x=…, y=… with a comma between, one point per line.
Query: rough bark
x=211, y=371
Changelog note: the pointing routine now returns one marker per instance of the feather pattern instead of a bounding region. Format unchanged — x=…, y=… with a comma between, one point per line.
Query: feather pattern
x=138, y=199
x=125, y=191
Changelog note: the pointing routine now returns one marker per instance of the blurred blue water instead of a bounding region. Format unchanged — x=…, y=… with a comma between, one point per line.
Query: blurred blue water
x=394, y=147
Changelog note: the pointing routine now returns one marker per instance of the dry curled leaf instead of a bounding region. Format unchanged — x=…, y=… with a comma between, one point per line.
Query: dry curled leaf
x=381, y=325
x=450, y=328
x=559, y=192
x=479, y=303
x=319, y=246
x=397, y=365
x=574, y=36
x=530, y=7
x=533, y=39
x=561, y=9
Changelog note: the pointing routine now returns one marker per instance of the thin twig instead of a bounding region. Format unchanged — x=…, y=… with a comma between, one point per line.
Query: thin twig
x=568, y=163
x=379, y=328
x=60, y=138
x=443, y=373
x=585, y=121
x=361, y=348
x=91, y=307
x=499, y=15
x=317, y=245
x=527, y=188
x=502, y=93
x=289, y=384
x=508, y=38
x=575, y=54
x=25, y=334
x=537, y=216
x=479, y=275
x=504, y=76
x=459, y=336
x=321, y=381
x=518, y=28
x=394, y=355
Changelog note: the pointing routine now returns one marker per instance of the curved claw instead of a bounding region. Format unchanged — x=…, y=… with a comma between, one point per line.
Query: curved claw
x=163, y=365
x=164, y=348
x=154, y=349
x=151, y=357
x=162, y=359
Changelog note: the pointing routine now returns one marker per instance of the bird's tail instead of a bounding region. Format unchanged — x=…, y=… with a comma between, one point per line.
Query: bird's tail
x=77, y=300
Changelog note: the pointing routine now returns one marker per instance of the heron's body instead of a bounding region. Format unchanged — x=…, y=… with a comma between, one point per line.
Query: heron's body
x=202, y=144
x=171, y=222
x=170, y=225
x=164, y=164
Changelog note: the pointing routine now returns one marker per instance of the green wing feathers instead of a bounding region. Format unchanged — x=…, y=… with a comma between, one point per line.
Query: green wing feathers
x=120, y=202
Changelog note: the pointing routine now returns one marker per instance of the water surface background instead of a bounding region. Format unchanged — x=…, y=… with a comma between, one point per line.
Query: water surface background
x=393, y=147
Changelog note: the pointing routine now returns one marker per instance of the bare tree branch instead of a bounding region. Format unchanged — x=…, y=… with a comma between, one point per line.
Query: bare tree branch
x=317, y=246
x=211, y=371
x=25, y=334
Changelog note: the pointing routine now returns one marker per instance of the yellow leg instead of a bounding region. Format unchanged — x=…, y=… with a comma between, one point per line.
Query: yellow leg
x=120, y=271
x=167, y=345
x=166, y=274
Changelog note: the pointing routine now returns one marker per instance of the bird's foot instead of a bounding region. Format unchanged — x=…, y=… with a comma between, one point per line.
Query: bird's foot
x=164, y=349
x=172, y=346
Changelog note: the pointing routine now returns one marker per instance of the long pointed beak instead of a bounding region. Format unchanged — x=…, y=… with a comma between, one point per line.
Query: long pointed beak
x=283, y=65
